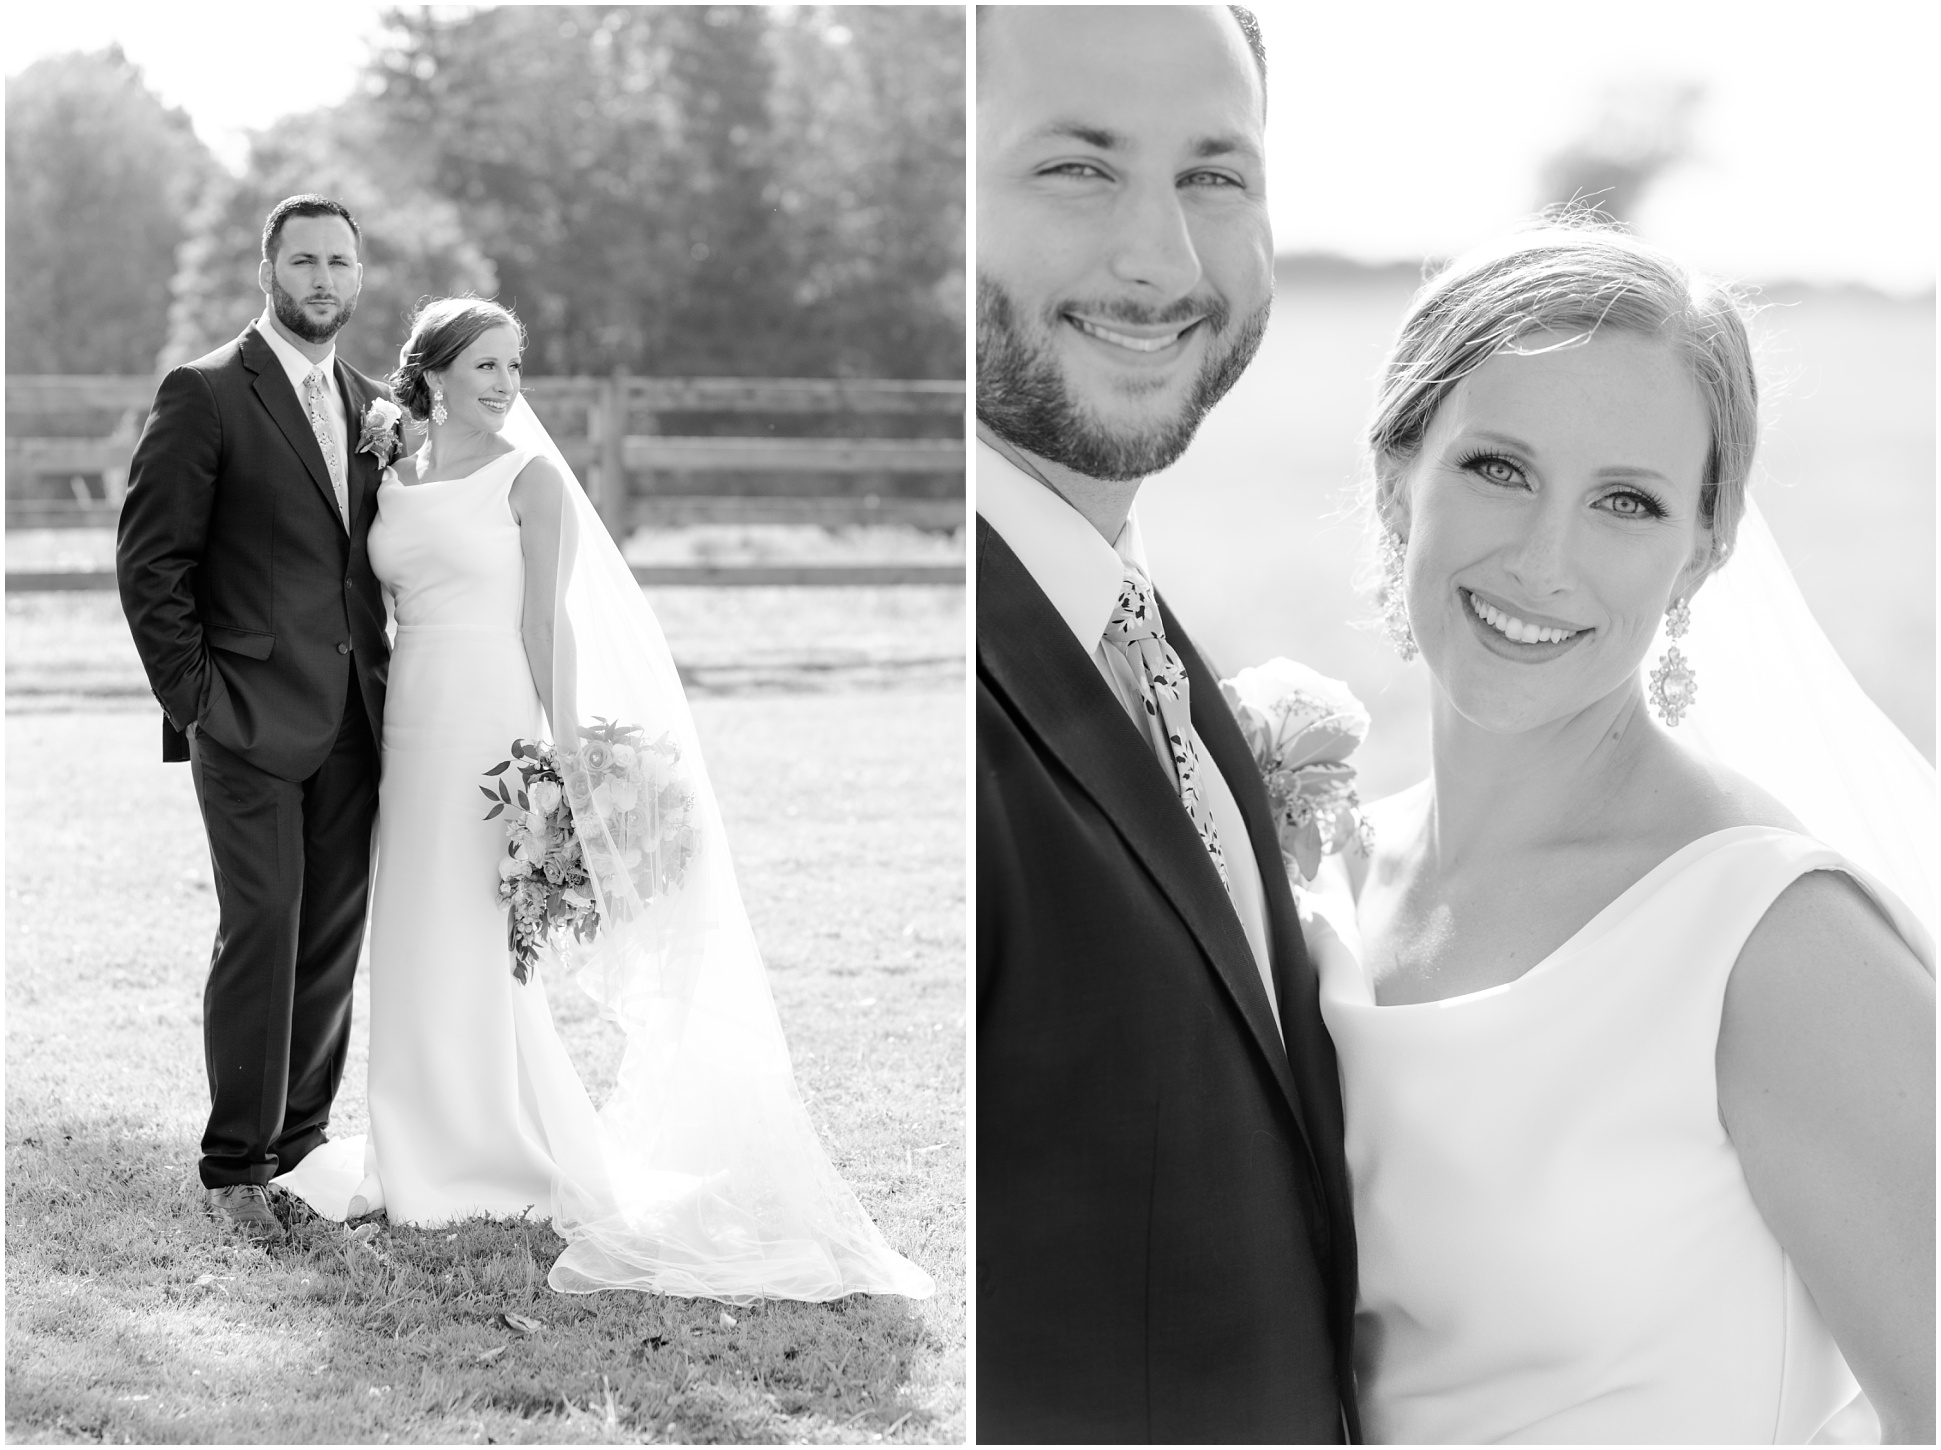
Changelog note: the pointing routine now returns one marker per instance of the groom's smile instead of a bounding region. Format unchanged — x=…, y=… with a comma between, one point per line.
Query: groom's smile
x=1124, y=257
x=1149, y=341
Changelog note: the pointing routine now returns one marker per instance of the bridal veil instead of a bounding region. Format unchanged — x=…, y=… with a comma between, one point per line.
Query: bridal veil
x=1777, y=704
x=717, y=1185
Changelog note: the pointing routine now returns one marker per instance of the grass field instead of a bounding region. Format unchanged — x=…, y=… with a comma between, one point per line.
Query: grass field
x=1250, y=534
x=131, y=1317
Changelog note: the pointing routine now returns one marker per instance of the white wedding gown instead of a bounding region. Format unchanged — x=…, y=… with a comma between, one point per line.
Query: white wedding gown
x=475, y=1107
x=1556, y=1239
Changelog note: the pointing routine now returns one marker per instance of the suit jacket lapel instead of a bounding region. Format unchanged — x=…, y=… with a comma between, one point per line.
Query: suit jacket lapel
x=273, y=387
x=1295, y=983
x=360, y=469
x=1031, y=655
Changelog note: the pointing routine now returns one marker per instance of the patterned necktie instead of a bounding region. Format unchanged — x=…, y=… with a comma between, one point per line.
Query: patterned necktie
x=1135, y=630
x=313, y=393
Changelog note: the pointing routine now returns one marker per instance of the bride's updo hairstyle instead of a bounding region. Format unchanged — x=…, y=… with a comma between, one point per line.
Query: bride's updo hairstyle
x=1572, y=272
x=441, y=330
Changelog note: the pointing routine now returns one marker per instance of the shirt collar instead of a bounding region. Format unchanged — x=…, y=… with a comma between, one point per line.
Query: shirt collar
x=295, y=363
x=1066, y=557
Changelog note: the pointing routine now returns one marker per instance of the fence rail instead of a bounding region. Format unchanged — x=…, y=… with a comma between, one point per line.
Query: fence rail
x=637, y=473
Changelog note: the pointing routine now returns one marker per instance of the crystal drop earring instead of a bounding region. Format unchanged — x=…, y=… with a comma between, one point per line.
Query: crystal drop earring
x=438, y=414
x=1391, y=598
x=1674, y=684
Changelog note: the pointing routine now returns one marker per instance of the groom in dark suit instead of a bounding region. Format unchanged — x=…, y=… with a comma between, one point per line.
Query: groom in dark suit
x=1163, y=1236
x=244, y=577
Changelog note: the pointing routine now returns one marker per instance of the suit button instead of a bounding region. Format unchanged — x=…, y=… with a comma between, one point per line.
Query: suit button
x=343, y=649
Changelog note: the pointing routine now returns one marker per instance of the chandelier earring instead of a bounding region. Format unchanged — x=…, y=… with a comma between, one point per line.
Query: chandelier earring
x=1674, y=684
x=438, y=413
x=1391, y=597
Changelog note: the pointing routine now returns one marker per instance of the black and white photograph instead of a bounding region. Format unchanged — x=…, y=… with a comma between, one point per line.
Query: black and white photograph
x=1454, y=785
x=486, y=658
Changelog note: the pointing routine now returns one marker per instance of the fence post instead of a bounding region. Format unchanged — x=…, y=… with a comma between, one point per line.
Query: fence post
x=613, y=501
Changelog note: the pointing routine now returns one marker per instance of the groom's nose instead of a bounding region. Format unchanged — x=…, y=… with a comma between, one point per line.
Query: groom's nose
x=1153, y=246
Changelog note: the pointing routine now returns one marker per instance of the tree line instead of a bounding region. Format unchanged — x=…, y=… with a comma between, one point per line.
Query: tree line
x=674, y=190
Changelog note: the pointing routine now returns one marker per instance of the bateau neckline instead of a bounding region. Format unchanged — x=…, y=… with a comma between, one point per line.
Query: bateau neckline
x=392, y=470
x=1651, y=879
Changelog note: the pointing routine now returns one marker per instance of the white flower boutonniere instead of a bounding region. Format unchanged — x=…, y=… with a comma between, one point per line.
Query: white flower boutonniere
x=382, y=433
x=1302, y=727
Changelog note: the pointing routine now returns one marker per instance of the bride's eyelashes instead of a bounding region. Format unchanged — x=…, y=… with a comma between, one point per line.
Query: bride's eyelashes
x=1633, y=503
x=1493, y=467
x=1628, y=502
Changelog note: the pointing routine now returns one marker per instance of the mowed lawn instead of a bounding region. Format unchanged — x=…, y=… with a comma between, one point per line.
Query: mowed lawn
x=131, y=1316
x=1252, y=534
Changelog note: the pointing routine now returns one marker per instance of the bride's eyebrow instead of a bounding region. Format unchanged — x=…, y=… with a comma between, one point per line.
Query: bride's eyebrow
x=1490, y=435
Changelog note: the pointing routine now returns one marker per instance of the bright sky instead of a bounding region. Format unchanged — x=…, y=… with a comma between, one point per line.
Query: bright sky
x=1395, y=129
x=1414, y=127
x=233, y=67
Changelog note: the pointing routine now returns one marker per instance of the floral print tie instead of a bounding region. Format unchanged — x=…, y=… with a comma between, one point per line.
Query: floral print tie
x=1135, y=630
x=313, y=395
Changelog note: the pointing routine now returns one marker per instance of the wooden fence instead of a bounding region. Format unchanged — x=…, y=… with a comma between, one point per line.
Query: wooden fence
x=652, y=452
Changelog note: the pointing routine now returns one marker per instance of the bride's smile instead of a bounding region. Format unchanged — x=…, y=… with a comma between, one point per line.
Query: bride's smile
x=1518, y=633
x=1553, y=515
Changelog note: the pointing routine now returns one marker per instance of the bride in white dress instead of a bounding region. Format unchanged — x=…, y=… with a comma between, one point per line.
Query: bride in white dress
x=1637, y=1053
x=702, y=1175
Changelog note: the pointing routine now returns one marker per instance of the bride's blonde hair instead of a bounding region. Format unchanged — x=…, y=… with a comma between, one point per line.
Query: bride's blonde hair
x=1573, y=271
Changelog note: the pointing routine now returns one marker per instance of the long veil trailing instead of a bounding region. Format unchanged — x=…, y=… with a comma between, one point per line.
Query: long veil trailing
x=716, y=1183
x=1777, y=704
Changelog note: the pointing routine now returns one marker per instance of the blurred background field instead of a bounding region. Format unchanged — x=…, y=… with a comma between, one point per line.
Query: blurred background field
x=1257, y=539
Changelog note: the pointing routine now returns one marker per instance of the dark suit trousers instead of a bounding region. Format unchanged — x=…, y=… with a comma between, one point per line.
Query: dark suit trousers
x=292, y=864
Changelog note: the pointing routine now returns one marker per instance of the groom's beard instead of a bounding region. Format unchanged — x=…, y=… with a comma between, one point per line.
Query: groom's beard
x=290, y=313
x=1023, y=396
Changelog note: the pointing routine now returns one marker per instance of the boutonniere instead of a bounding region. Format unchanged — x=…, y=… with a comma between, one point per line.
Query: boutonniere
x=1301, y=727
x=382, y=433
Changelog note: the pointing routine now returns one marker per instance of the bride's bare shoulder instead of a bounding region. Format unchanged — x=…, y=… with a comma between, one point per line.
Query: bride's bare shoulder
x=1702, y=796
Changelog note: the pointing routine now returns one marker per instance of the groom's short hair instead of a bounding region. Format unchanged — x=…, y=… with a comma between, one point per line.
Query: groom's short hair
x=307, y=204
x=1243, y=17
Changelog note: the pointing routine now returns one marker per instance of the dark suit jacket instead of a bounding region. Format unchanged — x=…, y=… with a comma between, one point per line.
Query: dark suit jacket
x=241, y=587
x=1164, y=1244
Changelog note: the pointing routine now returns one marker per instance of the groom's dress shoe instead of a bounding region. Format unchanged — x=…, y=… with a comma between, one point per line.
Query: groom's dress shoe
x=247, y=1207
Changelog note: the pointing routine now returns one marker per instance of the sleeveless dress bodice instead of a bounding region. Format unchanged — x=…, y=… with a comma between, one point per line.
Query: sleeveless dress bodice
x=1557, y=1242
x=449, y=551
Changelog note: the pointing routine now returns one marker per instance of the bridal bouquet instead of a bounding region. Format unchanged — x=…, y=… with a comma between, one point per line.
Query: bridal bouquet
x=1301, y=727
x=606, y=825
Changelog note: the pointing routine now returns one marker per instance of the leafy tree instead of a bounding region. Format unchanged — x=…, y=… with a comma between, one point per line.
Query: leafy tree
x=870, y=128
x=698, y=189
x=605, y=157
x=413, y=243
x=671, y=189
x=101, y=181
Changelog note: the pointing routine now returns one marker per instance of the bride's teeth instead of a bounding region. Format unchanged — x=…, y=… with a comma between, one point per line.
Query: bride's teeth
x=1516, y=629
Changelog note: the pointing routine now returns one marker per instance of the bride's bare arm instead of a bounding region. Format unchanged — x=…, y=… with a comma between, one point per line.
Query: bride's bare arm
x=539, y=503
x=1826, y=1085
